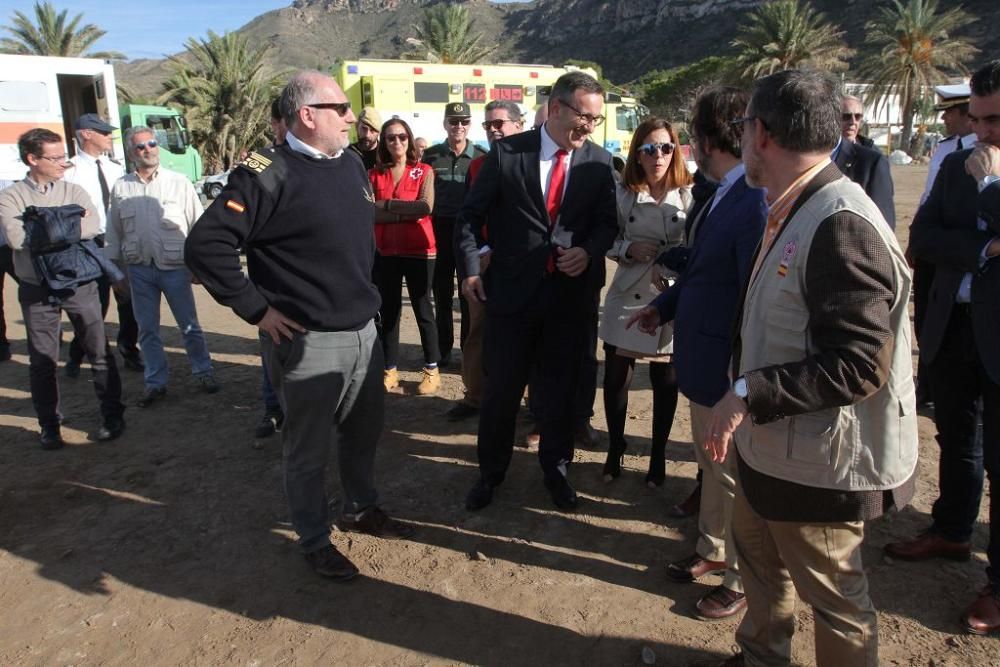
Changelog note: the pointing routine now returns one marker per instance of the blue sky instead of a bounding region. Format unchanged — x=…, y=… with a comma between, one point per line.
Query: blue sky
x=153, y=29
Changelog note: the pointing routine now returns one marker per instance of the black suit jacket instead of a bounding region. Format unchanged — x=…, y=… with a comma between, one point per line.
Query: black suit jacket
x=945, y=233
x=869, y=168
x=507, y=191
x=989, y=206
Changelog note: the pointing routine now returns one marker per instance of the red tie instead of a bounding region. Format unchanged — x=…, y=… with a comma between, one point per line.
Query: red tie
x=557, y=179
x=553, y=199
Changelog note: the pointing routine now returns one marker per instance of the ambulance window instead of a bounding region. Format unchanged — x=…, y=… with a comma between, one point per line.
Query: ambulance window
x=627, y=120
x=430, y=92
x=24, y=96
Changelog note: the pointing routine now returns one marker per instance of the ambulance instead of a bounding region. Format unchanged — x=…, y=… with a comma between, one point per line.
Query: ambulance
x=52, y=92
x=417, y=92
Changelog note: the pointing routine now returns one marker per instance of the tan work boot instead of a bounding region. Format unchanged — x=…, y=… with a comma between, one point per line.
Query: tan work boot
x=390, y=379
x=430, y=383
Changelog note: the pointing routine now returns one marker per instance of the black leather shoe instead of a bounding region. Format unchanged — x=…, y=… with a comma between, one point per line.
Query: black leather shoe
x=330, y=563
x=585, y=436
x=113, y=427
x=479, y=496
x=150, y=395
x=132, y=361
x=562, y=493
x=461, y=411
x=51, y=437
x=269, y=424
x=72, y=368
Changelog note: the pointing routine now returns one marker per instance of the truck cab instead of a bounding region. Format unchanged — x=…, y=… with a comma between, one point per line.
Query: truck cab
x=176, y=151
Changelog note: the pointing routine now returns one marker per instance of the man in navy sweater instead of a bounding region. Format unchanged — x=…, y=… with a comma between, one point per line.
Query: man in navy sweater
x=304, y=214
x=714, y=267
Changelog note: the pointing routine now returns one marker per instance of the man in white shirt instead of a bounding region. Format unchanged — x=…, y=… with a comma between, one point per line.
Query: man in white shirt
x=96, y=171
x=152, y=210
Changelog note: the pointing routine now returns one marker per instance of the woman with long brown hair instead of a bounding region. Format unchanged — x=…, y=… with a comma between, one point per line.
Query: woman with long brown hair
x=653, y=195
x=404, y=196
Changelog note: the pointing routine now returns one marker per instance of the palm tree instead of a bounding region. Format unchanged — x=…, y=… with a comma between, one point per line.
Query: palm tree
x=787, y=34
x=50, y=35
x=916, y=48
x=226, y=94
x=445, y=34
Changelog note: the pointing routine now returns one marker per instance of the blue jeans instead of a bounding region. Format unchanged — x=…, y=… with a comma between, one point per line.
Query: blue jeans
x=148, y=283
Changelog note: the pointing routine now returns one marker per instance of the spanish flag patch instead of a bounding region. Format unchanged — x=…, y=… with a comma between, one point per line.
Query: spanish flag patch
x=233, y=205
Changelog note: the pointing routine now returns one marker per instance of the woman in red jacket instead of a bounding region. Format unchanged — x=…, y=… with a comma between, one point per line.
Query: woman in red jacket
x=404, y=197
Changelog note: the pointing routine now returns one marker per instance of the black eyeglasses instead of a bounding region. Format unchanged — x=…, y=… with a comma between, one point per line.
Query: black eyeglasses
x=497, y=124
x=848, y=117
x=585, y=117
x=152, y=143
x=459, y=121
x=664, y=148
x=342, y=108
x=57, y=159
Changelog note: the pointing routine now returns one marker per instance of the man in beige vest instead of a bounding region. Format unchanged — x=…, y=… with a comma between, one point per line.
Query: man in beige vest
x=822, y=407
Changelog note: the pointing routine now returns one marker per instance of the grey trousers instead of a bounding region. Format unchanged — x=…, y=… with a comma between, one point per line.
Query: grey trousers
x=330, y=387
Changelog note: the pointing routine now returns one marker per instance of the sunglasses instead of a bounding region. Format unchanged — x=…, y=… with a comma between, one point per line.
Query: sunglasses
x=665, y=148
x=342, y=108
x=151, y=144
x=459, y=121
x=496, y=124
x=393, y=138
x=848, y=117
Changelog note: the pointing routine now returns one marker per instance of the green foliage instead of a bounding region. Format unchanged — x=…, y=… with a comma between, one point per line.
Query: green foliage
x=670, y=93
x=51, y=35
x=222, y=84
x=787, y=34
x=914, y=49
x=445, y=36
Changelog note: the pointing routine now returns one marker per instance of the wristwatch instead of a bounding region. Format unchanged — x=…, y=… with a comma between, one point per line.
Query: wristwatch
x=740, y=388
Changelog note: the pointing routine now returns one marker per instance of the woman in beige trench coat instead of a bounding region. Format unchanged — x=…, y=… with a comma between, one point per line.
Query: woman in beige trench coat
x=653, y=196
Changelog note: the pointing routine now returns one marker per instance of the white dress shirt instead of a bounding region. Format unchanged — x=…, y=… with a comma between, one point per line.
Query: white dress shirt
x=726, y=183
x=84, y=174
x=546, y=159
x=300, y=146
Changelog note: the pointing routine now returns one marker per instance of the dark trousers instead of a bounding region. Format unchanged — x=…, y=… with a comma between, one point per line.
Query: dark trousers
x=586, y=390
x=444, y=284
x=6, y=267
x=923, y=278
x=547, y=335
x=42, y=322
x=128, y=330
x=960, y=382
x=417, y=271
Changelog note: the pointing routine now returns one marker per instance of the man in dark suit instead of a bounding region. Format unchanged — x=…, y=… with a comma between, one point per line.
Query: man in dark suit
x=725, y=234
x=549, y=195
x=868, y=167
x=956, y=230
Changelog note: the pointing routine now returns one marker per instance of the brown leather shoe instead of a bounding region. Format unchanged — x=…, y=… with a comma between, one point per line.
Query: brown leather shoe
x=693, y=567
x=983, y=616
x=720, y=603
x=689, y=506
x=928, y=545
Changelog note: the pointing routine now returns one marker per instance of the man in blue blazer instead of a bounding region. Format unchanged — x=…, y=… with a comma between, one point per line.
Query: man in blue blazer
x=549, y=196
x=868, y=167
x=702, y=304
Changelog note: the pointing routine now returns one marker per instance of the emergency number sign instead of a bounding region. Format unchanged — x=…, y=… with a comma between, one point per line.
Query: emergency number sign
x=477, y=92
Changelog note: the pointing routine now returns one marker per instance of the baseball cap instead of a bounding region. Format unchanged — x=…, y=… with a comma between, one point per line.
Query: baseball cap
x=369, y=116
x=91, y=121
x=457, y=110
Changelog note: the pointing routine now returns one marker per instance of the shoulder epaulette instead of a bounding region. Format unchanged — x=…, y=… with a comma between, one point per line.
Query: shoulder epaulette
x=258, y=162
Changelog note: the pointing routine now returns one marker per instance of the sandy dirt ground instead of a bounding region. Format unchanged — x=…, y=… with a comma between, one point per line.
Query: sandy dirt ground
x=172, y=545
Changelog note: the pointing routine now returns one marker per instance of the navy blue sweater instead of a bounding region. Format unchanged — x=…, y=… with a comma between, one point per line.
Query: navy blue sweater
x=307, y=227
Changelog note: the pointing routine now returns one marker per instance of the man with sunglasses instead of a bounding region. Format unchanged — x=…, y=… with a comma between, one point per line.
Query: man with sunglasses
x=304, y=213
x=450, y=161
x=96, y=171
x=549, y=198
x=45, y=154
x=868, y=167
x=152, y=211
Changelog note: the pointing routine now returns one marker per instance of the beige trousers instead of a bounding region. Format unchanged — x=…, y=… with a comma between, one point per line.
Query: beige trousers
x=718, y=484
x=472, y=354
x=822, y=562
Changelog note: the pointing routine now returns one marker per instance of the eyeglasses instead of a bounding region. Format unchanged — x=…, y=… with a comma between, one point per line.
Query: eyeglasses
x=749, y=119
x=848, y=117
x=665, y=148
x=585, y=117
x=459, y=121
x=151, y=144
x=56, y=159
x=393, y=138
x=342, y=108
x=497, y=124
